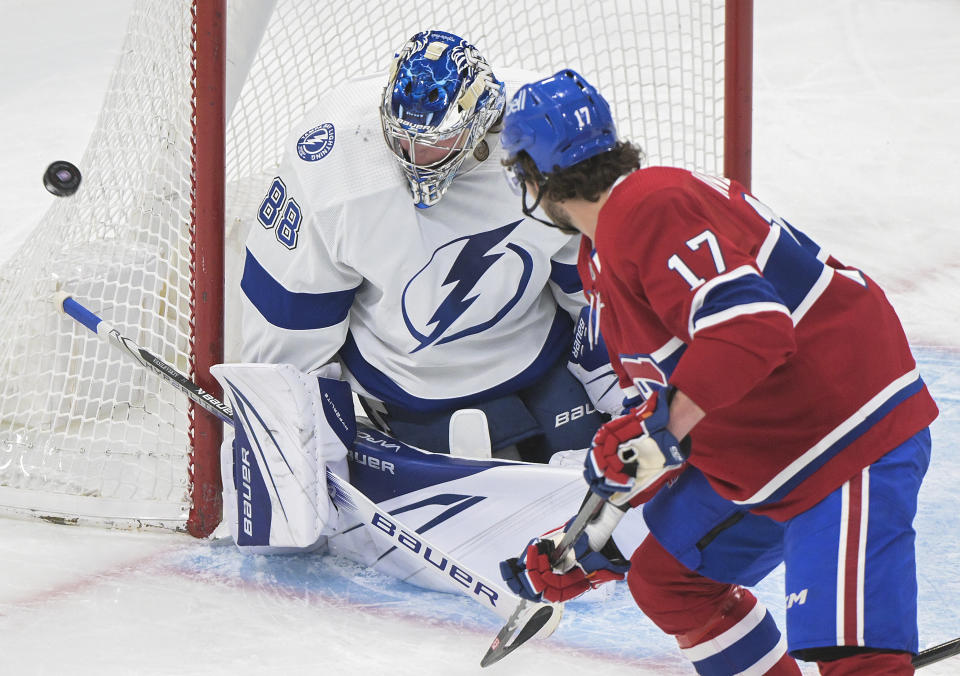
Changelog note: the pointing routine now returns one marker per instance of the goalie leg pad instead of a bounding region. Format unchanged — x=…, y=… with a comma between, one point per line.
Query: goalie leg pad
x=288, y=428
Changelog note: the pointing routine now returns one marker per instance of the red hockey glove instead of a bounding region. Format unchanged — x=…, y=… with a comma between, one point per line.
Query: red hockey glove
x=593, y=560
x=635, y=453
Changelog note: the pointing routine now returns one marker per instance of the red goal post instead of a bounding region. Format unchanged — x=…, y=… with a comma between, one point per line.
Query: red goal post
x=207, y=295
x=189, y=136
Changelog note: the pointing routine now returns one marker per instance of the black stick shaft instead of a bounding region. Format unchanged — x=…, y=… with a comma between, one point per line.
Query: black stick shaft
x=145, y=358
x=937, y=653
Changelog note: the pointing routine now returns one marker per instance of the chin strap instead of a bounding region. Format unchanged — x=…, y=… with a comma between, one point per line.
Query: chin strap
x=528, y=210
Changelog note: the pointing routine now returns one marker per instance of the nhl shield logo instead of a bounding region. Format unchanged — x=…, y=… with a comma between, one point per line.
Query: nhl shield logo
x=316, y=143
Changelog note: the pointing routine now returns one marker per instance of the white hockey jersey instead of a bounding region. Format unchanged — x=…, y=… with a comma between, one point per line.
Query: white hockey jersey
x=429, y=309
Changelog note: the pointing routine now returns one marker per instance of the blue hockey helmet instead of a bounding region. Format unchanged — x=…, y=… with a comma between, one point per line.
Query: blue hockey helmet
x=559, y=121
x=440, y=100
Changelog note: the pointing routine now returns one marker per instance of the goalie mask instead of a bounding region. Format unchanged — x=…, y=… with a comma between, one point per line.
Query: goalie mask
x=439, y=102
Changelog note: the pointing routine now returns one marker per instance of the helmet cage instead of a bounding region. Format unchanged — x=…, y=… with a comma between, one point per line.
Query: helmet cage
x=464, y=112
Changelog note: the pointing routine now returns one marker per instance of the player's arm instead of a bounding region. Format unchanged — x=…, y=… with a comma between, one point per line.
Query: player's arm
x=708, y=291
x=588, y=359
x=684, y=415
x=565, y=284
x=737, y=330
x=295, y=293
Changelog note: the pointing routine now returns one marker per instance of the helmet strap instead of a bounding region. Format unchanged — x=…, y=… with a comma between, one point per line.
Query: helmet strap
x=528, y=210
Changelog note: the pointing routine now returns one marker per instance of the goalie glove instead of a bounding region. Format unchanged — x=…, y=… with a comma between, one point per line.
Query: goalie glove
x=592, y=560
x=590, y=363
x=633, y=455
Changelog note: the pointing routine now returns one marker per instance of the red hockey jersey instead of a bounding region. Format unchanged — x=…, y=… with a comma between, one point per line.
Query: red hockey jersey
x=800, y=362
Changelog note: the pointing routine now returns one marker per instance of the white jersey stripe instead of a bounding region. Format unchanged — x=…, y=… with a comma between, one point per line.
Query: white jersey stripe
x=862, y=553
x=667, y=350
x=716, y=645
x=842, y=559
x=831, y=438
x=737, y=311
x=763, y=255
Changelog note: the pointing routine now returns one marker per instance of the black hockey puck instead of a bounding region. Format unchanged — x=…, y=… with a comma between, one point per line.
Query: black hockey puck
x=61, y=178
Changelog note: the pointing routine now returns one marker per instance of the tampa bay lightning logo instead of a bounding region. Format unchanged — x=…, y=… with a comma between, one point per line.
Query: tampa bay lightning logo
x=470, y=272
x=316, y=143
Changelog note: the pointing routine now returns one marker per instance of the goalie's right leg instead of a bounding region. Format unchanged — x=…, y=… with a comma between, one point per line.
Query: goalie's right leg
x=288, y=427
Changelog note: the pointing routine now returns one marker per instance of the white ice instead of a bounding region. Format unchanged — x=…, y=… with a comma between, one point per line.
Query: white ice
x=857, y=142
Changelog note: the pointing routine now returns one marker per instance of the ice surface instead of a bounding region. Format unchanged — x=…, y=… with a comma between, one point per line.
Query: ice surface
x=856, y=143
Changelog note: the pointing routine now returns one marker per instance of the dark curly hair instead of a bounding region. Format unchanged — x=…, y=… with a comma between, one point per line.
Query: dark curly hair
x=585, y=180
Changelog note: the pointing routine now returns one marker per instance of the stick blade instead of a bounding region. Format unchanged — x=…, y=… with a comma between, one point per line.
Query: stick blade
x=529, y=621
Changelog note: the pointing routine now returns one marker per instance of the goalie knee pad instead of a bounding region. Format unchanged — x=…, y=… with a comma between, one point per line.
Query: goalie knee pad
x=289, y=427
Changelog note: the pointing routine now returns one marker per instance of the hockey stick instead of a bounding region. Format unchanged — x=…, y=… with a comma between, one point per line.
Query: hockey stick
x=522, y=630
x=456, y=575
x=937, y=653
x=524, y=624
x=148, y=360
x=527, y=619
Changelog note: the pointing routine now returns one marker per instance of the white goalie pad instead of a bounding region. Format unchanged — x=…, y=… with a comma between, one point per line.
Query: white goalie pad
x=479, y=511
x=289, y=427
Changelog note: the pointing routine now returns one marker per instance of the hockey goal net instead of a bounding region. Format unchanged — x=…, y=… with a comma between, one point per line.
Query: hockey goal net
x=86, y=437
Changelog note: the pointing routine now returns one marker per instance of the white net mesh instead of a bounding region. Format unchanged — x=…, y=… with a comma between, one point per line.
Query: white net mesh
x=86, y=436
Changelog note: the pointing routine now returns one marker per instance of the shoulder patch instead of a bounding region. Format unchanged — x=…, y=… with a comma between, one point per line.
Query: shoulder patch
x=316, y=143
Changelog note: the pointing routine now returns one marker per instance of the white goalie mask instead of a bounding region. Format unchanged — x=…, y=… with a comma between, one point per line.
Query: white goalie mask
x=439, y=102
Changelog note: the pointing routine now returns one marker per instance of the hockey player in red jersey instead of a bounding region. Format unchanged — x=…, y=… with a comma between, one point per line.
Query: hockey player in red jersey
x=777, y=414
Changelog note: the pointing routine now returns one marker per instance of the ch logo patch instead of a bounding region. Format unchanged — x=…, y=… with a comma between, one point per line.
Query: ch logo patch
x=317, y=143
x=646, y=375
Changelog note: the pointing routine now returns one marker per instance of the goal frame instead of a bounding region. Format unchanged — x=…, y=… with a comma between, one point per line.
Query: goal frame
x=738, y=92
x=192, y=125
x=209, y=213
x=207, y=296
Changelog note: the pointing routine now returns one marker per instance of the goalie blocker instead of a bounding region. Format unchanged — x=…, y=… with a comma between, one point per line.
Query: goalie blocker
x=289, y=428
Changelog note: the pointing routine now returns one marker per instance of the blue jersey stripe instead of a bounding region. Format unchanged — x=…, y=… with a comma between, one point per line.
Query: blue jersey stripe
x=744, y=653
x=566, y=277
x=739, y=291
x=292, y=310
x=805, y=242
x=381, y=386
x=792, y=270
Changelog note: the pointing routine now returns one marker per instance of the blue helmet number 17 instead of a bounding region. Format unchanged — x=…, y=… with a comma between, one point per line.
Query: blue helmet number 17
x=583, y=117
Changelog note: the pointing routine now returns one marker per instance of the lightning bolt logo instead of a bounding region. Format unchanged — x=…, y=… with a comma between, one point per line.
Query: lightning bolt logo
x=470, y=265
